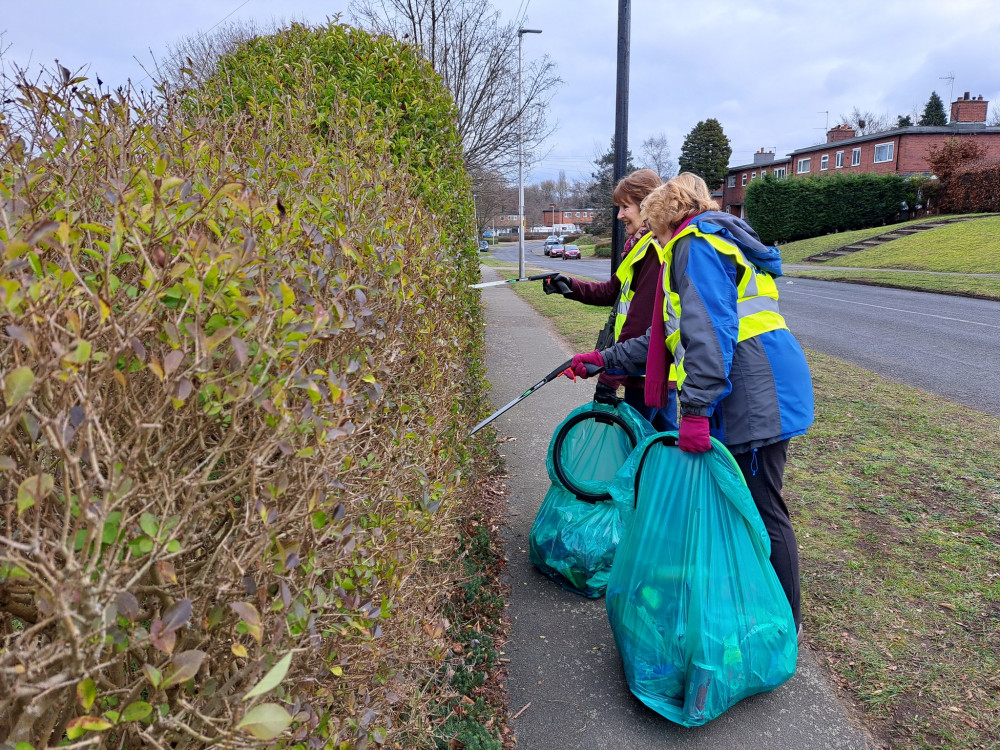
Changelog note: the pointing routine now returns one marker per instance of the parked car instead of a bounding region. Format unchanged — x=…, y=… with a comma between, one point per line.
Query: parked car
x=484, y=246
x=488, y=233
x=556, y=251
x=571, y=252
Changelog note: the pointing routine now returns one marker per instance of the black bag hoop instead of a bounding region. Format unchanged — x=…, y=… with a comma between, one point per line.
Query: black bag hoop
x=599, y=416
x=666, y=440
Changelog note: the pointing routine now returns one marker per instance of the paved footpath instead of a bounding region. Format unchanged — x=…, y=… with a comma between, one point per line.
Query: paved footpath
x=566, y=683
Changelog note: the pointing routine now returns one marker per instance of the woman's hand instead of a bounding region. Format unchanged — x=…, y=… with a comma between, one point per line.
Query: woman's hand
x=586, y=365
x=693, y=436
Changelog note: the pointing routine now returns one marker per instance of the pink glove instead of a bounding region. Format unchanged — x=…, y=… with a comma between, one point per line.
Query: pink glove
x=580, y=362
x=693, y=436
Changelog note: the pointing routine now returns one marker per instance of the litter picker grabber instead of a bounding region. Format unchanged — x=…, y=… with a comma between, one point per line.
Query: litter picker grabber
x=591, y=371
x=562, y=288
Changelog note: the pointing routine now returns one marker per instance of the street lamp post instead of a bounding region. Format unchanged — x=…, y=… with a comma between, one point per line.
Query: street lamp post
x=520, y=157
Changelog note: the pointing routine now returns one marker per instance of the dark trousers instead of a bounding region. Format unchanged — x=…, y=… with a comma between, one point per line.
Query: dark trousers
x=663, y=420
x=764, y=469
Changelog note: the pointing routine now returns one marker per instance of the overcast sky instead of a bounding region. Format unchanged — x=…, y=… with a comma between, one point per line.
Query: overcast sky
x=768, y=70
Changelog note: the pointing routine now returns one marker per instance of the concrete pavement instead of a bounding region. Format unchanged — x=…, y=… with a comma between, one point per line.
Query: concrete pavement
x=566, y=683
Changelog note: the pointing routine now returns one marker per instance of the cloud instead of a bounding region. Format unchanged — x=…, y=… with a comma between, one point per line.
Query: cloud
x=769, y=70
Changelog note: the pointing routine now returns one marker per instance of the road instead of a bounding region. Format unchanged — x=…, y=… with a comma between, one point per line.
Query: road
x=590, y=268
x=939, y=343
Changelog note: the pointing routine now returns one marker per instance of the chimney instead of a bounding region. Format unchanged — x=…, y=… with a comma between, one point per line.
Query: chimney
x=969, y=109
x=840, y=133
x=763, y=157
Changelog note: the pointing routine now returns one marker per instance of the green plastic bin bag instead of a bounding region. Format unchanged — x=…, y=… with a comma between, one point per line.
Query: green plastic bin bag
x=698, y=615
x=577, y=528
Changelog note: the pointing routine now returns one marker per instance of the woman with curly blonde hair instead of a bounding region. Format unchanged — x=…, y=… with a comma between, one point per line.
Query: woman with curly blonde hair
x=741, y=375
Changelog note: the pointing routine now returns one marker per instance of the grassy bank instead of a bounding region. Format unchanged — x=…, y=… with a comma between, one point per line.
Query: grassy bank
x=964, y=247
x=795, y=252
x=896, y=501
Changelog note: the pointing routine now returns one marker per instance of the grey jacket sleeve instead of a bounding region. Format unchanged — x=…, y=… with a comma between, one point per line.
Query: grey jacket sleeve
x=628, y=357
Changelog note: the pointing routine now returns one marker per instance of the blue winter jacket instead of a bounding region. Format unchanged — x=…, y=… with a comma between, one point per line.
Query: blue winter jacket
x=755, y=392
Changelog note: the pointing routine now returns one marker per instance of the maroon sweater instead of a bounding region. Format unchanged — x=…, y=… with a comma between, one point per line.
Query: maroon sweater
x=640, y=313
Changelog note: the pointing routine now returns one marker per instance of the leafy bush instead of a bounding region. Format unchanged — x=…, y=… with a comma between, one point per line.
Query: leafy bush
x=792, y=209
x=236, y=347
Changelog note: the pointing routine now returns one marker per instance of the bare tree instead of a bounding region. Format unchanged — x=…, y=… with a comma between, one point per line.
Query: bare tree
x=655, y=154
x=475, y=52
x=193, y=59
x=562, y=188
x=491, y=196
x=866, y=122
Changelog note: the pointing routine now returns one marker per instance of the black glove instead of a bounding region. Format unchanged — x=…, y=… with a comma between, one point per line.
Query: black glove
x=605, y=394
x=557, y=283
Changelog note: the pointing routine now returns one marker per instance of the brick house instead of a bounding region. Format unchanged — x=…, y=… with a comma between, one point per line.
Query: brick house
x=505, y=222
x=578, y=216
x=904, y=151
x=739, y=177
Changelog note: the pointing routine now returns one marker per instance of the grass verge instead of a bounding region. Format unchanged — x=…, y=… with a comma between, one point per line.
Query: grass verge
x=963, y=247
x=965, y=285
x=896, y=502
x=794, y=252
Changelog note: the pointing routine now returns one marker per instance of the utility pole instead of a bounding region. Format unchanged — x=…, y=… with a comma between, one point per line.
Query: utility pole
x=520, y=156
x=621, y=125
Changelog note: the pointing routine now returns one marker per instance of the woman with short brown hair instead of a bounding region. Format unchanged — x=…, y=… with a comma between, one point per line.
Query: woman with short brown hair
x=632, y=290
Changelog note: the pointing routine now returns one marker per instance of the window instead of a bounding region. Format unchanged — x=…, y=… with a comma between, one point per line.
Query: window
x=840, y=159
x=803, y=166
x=883, y=152
x=856, y=157
x=763, y=173
x=779, y=172
x=824, y=161
x=744, y=181
x=753, y=175
x=731, y=182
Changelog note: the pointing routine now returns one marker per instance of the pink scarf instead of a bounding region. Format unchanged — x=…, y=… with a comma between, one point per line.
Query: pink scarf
x=658, y=383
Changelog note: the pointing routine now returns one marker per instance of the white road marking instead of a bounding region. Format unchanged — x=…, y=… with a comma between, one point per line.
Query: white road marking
x=894, y=309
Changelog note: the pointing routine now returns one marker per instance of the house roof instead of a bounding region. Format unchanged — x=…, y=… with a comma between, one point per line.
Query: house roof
x=759, y=164
x=956, y=129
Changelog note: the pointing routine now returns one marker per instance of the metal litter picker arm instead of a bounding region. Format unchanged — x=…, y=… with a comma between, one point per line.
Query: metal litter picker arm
x=591, y=371
x=536, y=277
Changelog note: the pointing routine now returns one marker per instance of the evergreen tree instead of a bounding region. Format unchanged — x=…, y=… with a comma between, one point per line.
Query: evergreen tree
x=706, y=153
x=603, y=187
x=904, y=121
x=933, y=112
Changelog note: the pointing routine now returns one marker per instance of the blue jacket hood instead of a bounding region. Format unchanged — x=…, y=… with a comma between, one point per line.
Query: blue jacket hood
x=737, y=231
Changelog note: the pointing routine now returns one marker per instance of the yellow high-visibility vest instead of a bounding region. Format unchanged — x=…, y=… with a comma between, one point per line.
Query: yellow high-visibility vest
x=756, y=302
x=626, y=275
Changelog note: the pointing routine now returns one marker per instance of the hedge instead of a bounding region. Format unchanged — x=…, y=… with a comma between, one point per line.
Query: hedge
x=239, y=362
x=783, y=210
